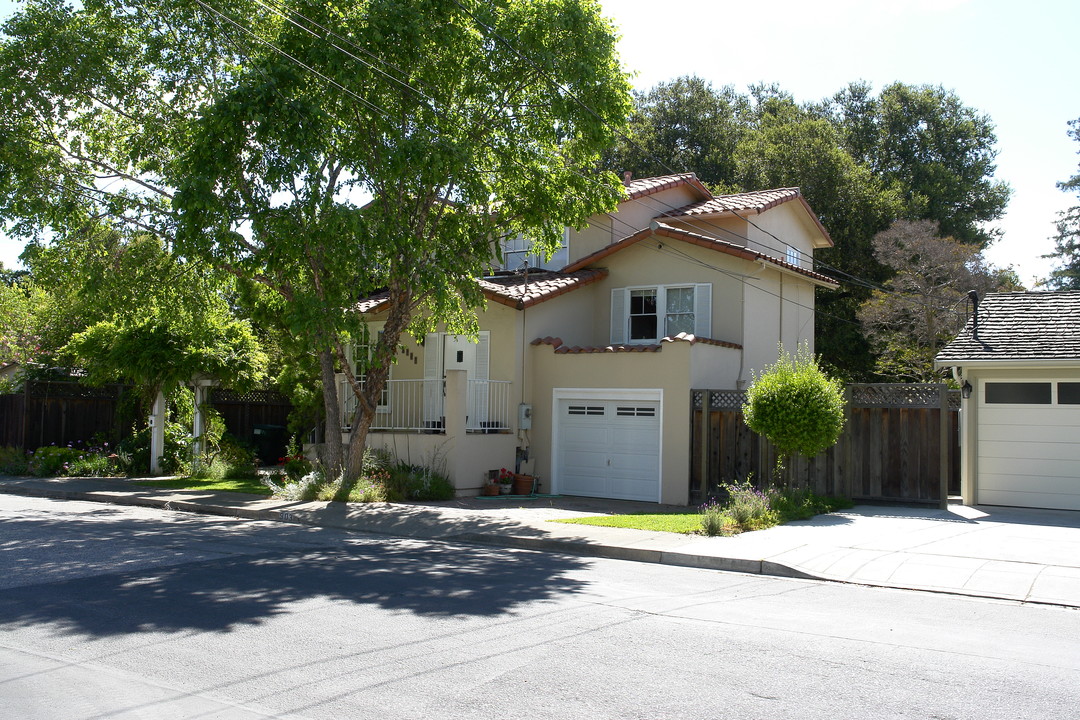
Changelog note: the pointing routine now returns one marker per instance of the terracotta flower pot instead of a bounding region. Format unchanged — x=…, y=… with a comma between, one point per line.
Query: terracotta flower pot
x=523, y=484
x=489, y=489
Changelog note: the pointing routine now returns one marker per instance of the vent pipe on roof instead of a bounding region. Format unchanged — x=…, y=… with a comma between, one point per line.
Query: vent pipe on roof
x=974, y=297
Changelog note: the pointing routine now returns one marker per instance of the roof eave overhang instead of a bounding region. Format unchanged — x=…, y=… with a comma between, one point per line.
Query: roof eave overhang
x=1015, y=363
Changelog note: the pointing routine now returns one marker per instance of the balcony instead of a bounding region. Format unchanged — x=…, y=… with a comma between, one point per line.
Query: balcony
x=418, y=406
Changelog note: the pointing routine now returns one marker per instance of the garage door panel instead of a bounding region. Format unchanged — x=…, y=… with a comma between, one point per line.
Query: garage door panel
x=1032, y=452
x=1029, y=433
x=609, y=449
x=1030, y=499
x=1028, y=455
x=629, y=489
x=1054, y=484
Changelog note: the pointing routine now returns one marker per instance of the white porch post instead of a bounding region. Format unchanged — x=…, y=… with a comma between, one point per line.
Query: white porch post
x=198, y=429
x=455, y=408
x=157, y=433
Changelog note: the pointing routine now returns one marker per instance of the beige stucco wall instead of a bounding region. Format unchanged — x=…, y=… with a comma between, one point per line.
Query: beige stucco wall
x=660, y=261
x=631, y=216
x=667, y=371
x=791, y=225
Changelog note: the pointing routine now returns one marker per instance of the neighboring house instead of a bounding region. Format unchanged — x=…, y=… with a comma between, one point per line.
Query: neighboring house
x=585, y=363
x=1018, y=359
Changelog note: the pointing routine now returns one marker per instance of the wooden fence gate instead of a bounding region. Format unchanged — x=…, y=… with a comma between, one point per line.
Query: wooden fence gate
x=895, y=446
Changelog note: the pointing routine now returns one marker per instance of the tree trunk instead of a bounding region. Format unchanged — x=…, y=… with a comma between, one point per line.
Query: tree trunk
x=331, y=455
x=377, y=376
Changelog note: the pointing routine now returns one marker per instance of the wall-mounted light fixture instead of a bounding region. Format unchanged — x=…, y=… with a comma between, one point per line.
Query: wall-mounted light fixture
x=965, y=390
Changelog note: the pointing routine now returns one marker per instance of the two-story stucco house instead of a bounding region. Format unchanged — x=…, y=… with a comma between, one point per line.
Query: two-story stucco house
x=585, y=363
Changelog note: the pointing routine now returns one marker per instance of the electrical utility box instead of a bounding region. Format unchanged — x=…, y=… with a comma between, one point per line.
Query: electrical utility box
x=524, y=416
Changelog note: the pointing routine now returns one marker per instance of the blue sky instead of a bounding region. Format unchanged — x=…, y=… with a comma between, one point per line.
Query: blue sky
x=1014, y=61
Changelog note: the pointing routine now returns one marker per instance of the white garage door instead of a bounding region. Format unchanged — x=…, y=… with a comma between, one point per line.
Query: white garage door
x=1029, y=444
x=608, y=449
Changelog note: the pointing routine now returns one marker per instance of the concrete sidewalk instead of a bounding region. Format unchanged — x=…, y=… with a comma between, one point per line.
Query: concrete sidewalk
x=1006, y=553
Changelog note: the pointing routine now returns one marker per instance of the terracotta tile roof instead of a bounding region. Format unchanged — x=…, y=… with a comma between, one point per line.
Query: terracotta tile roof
x=562, y=349
x=1020, y=326
x=644, y=187
x=516, y=290
x=757, y=202
x=519, y=290
x=658, y=228
x=373, y=303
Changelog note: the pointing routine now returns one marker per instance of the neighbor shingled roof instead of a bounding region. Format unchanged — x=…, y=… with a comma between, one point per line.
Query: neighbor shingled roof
x=1019, y=326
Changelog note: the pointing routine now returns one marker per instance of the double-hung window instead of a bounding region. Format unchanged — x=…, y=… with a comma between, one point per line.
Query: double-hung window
x=361, y=357
x=646, y=314
x=517, y=254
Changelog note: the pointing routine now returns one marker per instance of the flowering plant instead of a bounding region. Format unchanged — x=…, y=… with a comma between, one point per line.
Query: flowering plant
x=505, y=476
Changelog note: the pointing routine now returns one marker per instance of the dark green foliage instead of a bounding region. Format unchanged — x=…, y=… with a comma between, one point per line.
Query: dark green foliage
x=1066, y=274
x=795, y=405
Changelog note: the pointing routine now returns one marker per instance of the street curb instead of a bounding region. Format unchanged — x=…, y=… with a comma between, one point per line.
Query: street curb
x=645, y=555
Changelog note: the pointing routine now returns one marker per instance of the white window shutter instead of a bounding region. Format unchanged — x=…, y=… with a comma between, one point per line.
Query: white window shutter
x=482, y=355
x=703, y=310
x=433, y=382
x=618, y=316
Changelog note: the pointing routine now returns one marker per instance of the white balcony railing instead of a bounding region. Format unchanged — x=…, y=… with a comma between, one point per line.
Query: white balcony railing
x=417, y=406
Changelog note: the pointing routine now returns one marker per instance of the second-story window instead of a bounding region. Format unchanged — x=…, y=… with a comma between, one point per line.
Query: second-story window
x=646, y=314
x=517, y=254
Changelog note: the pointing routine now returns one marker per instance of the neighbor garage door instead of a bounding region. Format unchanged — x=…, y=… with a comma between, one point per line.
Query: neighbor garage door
x=1029, y=444
x=608, y=449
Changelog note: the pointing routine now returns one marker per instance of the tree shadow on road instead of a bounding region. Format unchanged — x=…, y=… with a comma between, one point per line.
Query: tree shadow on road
x=220, y=589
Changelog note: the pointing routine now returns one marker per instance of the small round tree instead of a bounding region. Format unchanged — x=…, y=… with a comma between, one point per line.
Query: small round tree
x=795, y=405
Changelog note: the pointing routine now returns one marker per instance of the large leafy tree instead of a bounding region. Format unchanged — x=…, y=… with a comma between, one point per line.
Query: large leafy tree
x=921, y=307
x=93, y=107
x=938, y=153
x=125, y=308
x=322, y=152
x=462, y=121
x=1066, y=273
x=685, y=125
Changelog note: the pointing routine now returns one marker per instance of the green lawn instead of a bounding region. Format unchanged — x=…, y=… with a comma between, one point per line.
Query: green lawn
x=238, y=485
x=782, y=508
x=686, y=523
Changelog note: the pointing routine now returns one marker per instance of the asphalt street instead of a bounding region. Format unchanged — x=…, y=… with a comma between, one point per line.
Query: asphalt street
x=121, y=612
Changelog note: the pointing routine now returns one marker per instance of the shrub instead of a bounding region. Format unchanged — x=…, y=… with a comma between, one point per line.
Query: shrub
x=134, y=451
x=714, y=521
x=304, y=489
x=384, y=479
x=795, y=405
x=747, y=508
x=52, y=460
x=93, y=462
x=14, y=461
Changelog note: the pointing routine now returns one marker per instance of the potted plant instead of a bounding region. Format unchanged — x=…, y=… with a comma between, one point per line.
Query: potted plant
x=523, y=484
x=506, y=479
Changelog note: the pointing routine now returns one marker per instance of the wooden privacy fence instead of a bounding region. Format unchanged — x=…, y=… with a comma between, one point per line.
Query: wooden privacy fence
x=59, y=412
x=894, y=447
